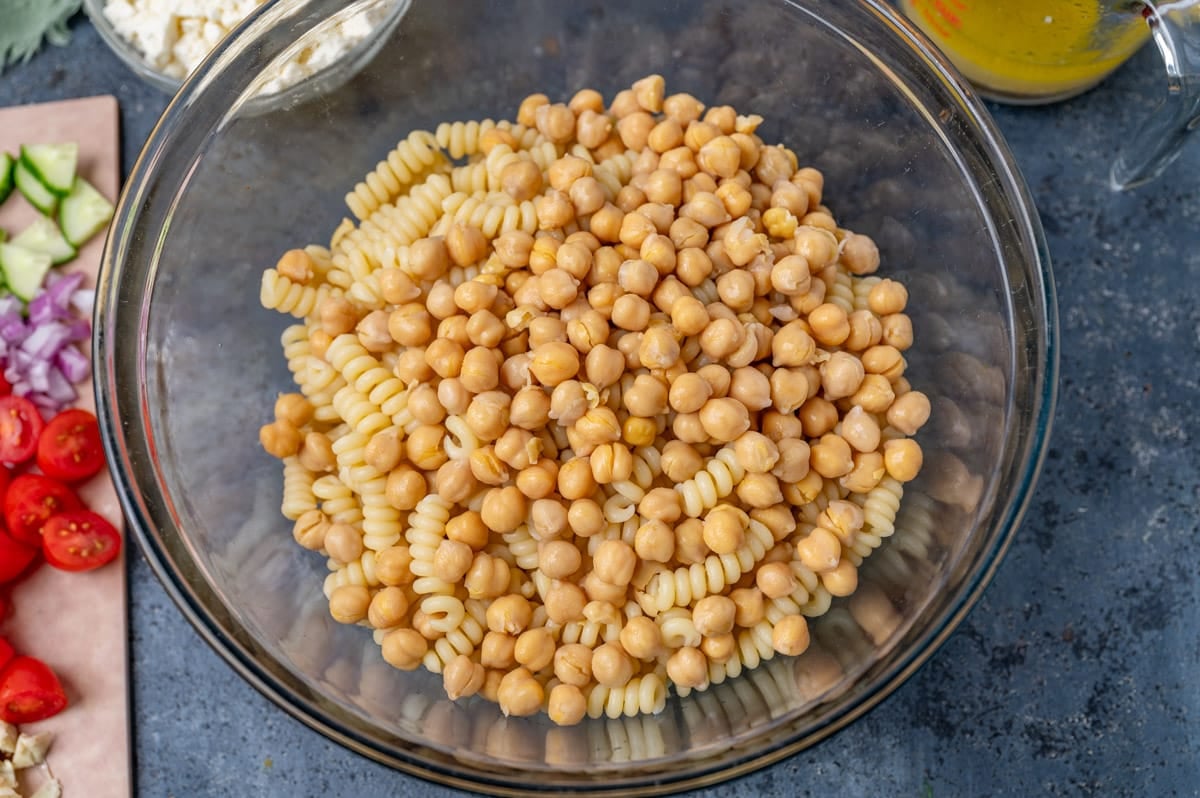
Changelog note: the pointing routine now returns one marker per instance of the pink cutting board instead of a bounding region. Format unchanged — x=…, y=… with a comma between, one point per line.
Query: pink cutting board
x=77, y=622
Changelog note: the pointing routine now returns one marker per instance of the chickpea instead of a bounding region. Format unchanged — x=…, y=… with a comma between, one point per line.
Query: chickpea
x=280, y=439
x=463, y=677
x=316, y=453
x=519, y=694
x=631, y=312
x=503, y=509
x=554, y=362
x=452, y=560
x=467, y=529
x=792, y=345
x=842, y=580
x=722, y=338
x=488, y=577
x=688, y=667
x=610, y=462
x=405, y=487
x=614, y=562
x=735, y=197
x=564, y=602
x=310, y=528
x=790, y=636
x=794, y=456
x=647, y=397
x=875, y=395
x=887, y=297
x=611, y=665
x=755, y=452
x=748, y=605
x=719, y=156
x=404, y=648
x=818, y=416
x=759, y=490
x=689, y=316
x=387, y=608
x=534, y=649
x=868, y=470
x=860, y=430
x=566, y=705
x=575, y=481
x=558, y=559
x=831, y=456
x=486, y=467
x=820, y=550
x=884, y=360
x=841, y=375
x=641, y=638
x=896, y=330
x=510, y=614
x=639, y=431
x=724, y=420
x=521, y=180
x=724, y=529
x=908, y=413
x=348, y=603
x=343, y=542
x=775, y=580
x=719, y=648
x=902, y=458
x=540, y=479
x=573, y=664
x=680, y=461
x=393, y=566
x=789, y=389
x=600, y=591
x=714, y=615
x=338, y=315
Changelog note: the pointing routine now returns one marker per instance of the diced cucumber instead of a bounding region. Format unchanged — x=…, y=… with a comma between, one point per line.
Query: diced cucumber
x=7, y=162
x=31, y=189
x=52, y=164
x=23, y=269
x=43, y=235
x=84, y=213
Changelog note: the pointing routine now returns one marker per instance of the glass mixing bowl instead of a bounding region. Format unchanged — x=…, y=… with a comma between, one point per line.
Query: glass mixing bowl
x=189, y=364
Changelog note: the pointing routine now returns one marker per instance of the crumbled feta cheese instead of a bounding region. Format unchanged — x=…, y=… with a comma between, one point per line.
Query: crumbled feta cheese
x=8, y=792
x=31, y=749
x=8, y=775
x=174, y=36
x=8, y=738
x=51, y=789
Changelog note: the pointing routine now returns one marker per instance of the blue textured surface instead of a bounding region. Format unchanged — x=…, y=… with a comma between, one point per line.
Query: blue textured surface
x=1075, y=675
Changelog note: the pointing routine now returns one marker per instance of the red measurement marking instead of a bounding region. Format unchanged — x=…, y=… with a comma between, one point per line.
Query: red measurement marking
x=947, y=14
x=934, y=21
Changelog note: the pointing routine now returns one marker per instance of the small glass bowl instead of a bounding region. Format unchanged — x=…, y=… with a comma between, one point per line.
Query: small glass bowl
x=188, y=364
x=325, y=79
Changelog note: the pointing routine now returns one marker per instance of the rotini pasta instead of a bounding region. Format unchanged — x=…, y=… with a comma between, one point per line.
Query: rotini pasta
x=720, y=475
x=402, y=167
x=298, y=496
x=282, y=294
x=643, y=694
x=426, y=529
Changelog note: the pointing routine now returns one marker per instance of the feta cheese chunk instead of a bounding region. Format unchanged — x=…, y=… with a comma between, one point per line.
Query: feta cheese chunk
x=8, y=738
x=51, y=789
x=31, y=749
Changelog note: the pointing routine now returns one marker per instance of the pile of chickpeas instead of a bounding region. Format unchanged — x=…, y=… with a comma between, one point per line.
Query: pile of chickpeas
x=696, y=371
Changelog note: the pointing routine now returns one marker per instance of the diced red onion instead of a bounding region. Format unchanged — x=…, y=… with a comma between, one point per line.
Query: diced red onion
x=39, y=355
x=74, y=364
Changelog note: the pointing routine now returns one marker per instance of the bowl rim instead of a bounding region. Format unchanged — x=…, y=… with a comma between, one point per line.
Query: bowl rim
x=1029, y=460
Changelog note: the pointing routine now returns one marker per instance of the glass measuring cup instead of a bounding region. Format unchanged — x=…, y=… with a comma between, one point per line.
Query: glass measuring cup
x=1042, y=51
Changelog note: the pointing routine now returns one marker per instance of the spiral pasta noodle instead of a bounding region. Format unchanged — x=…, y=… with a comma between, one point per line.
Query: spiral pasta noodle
x=682, y=586
x=720, y=475
x=298, y=496
x=402, y=167
x=643, y=694
x=426, y=529
x=282, y=294
x=461, y=139
x=463, y=639
x=337, y=500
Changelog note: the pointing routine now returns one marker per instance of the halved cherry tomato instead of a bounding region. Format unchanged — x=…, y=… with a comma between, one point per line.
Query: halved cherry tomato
x=31, y=501
x=20, y=426
x=6, y=653
x=80, y=541
x=69, y=447
x=15, y=557
x=29, y=691
x=5, y=388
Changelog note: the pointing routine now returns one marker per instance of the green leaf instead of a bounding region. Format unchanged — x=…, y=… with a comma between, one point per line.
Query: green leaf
x=28, y=22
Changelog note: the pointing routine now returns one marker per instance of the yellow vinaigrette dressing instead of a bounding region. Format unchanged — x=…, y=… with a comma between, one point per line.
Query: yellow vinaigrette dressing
x=1032, y=50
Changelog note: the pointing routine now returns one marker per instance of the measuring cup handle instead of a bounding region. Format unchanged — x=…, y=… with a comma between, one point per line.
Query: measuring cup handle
x=1176, y=30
